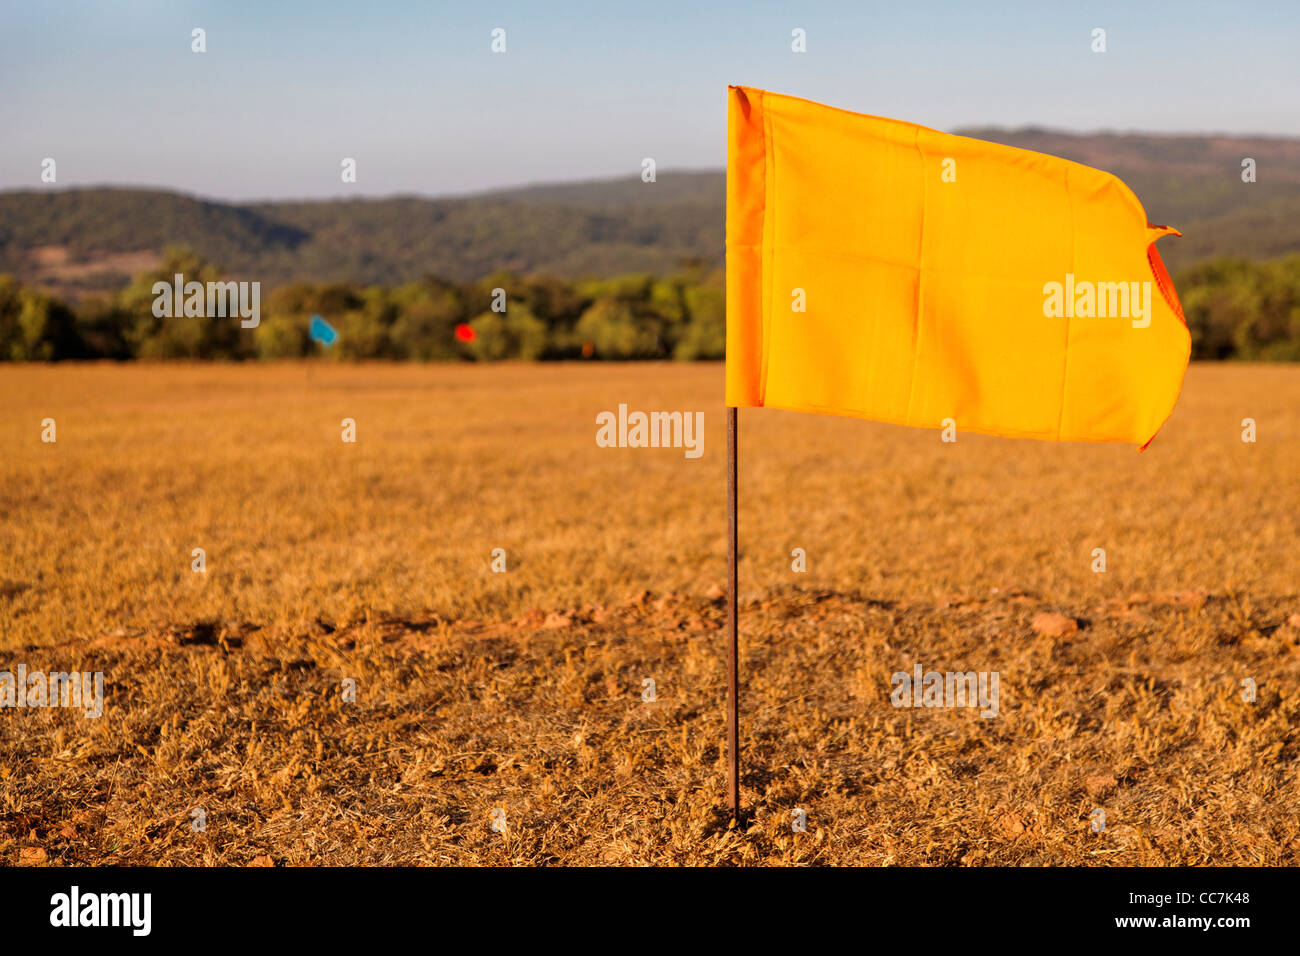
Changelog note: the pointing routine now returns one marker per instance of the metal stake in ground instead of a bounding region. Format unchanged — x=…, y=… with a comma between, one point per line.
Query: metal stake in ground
x=733, y=629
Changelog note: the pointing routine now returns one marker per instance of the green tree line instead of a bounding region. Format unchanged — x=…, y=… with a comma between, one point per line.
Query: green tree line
x=1235, y=309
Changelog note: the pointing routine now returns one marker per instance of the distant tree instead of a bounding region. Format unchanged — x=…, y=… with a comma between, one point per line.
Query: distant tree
x=513, y=334
x=366, y=333
x=1236, y=308
x=102, y=326
x=177, y=335
x=282, y=335
x=34, y=326
x=705, y=335
x=427, y=315
x=611, y=329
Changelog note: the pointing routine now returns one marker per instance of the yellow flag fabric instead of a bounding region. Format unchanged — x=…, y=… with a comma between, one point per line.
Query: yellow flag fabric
x=884, y=270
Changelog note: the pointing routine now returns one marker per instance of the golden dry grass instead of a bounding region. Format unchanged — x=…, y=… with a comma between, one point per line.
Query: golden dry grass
x=522, y=691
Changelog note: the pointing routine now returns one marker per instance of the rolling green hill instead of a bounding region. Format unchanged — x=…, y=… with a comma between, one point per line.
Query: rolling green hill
x=80, y=240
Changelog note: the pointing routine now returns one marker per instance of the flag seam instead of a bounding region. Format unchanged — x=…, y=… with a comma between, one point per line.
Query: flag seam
x=769, y=243
x=920, y=277
x=1069, y=318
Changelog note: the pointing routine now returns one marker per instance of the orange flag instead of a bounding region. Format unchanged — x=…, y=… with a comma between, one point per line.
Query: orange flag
x=888, y=271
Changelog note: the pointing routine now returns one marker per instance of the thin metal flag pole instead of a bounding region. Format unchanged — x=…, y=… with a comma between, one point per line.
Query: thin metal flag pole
x=733, y=628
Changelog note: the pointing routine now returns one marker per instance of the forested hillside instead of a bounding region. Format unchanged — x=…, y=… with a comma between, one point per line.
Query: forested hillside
x=74, y=241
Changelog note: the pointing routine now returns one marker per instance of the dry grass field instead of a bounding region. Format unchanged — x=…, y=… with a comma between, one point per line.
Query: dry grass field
x=521, y=692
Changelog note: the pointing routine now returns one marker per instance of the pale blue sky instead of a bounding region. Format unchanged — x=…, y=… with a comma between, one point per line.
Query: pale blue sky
x=412, y=90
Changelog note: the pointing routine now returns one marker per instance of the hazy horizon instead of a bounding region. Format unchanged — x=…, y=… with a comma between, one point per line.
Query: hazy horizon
x=474, y=193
